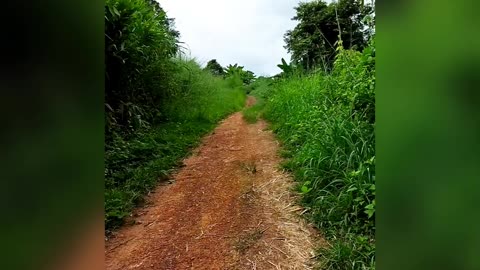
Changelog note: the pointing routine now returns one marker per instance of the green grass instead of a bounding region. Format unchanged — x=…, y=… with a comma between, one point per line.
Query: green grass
x=260, y=89
x=135, y=165
x=253, y=113
x=203, y=96
x=326, y=125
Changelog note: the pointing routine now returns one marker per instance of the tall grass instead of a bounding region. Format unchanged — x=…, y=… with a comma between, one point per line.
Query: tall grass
x=157, y=105
x=134, y=165
x=260, y=89
x=140, y=45
x=203, y=96
x=326, y=124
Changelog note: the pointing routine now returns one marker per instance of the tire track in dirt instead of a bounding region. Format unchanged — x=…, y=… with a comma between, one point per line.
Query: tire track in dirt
x=230, y=207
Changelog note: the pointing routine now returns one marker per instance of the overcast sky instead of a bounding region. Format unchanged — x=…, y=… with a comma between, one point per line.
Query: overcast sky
x=247, y=32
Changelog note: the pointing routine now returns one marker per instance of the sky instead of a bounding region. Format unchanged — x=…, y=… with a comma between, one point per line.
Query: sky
x=247, y=32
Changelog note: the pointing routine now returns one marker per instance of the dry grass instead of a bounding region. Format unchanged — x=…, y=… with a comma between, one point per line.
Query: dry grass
x=249, y=166
x=247, y=240
x=294, y=237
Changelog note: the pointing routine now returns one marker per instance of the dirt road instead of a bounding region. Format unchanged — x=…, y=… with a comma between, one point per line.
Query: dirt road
x=229, y=207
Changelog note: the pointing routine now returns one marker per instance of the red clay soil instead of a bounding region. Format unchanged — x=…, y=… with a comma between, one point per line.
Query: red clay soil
x=250, y=101
x=229, y=207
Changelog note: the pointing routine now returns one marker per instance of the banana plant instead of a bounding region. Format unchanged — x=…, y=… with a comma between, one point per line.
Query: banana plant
x=285, y=67
x=233, y=69
x=245, y=75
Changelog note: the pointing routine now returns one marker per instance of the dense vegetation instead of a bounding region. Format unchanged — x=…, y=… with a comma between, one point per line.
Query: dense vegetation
x=321, y=107
x=157, y=104
x=325, y=118
x=312, y=42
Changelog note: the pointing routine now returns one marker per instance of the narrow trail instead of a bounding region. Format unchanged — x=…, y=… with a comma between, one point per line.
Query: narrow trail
x=229, y=207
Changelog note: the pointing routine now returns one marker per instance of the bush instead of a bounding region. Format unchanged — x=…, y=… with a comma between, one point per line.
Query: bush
x=140, y=44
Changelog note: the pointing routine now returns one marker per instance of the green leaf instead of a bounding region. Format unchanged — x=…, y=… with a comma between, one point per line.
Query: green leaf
x=352, y=189
x=305, y=189
x=370, y=212
x=115, y=11
x=370, y=209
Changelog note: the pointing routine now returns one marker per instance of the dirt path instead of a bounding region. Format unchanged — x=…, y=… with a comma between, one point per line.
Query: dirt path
x=230, y=207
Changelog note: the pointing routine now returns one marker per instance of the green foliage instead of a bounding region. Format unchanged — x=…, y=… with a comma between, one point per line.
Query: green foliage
x=134, y=165
x=350, y=252
x=157, y=106
x=289, y=70
x=204, y=96
x=246, y=76
x=312, y=42
x=139, y=45
x=214, y=67
x=326, y=123
x=252, y=114
x=286, y=68
x=260, y=90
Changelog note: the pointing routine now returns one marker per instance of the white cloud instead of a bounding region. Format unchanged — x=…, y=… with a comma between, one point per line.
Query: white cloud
x=247, y=32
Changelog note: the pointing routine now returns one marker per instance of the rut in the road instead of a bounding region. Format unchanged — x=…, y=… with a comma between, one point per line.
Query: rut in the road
x=230, y=207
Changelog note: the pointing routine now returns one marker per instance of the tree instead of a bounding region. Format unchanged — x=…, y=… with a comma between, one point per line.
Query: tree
x=214, y=67
x=233, y=69
x=246, y=76
x=313, y=41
